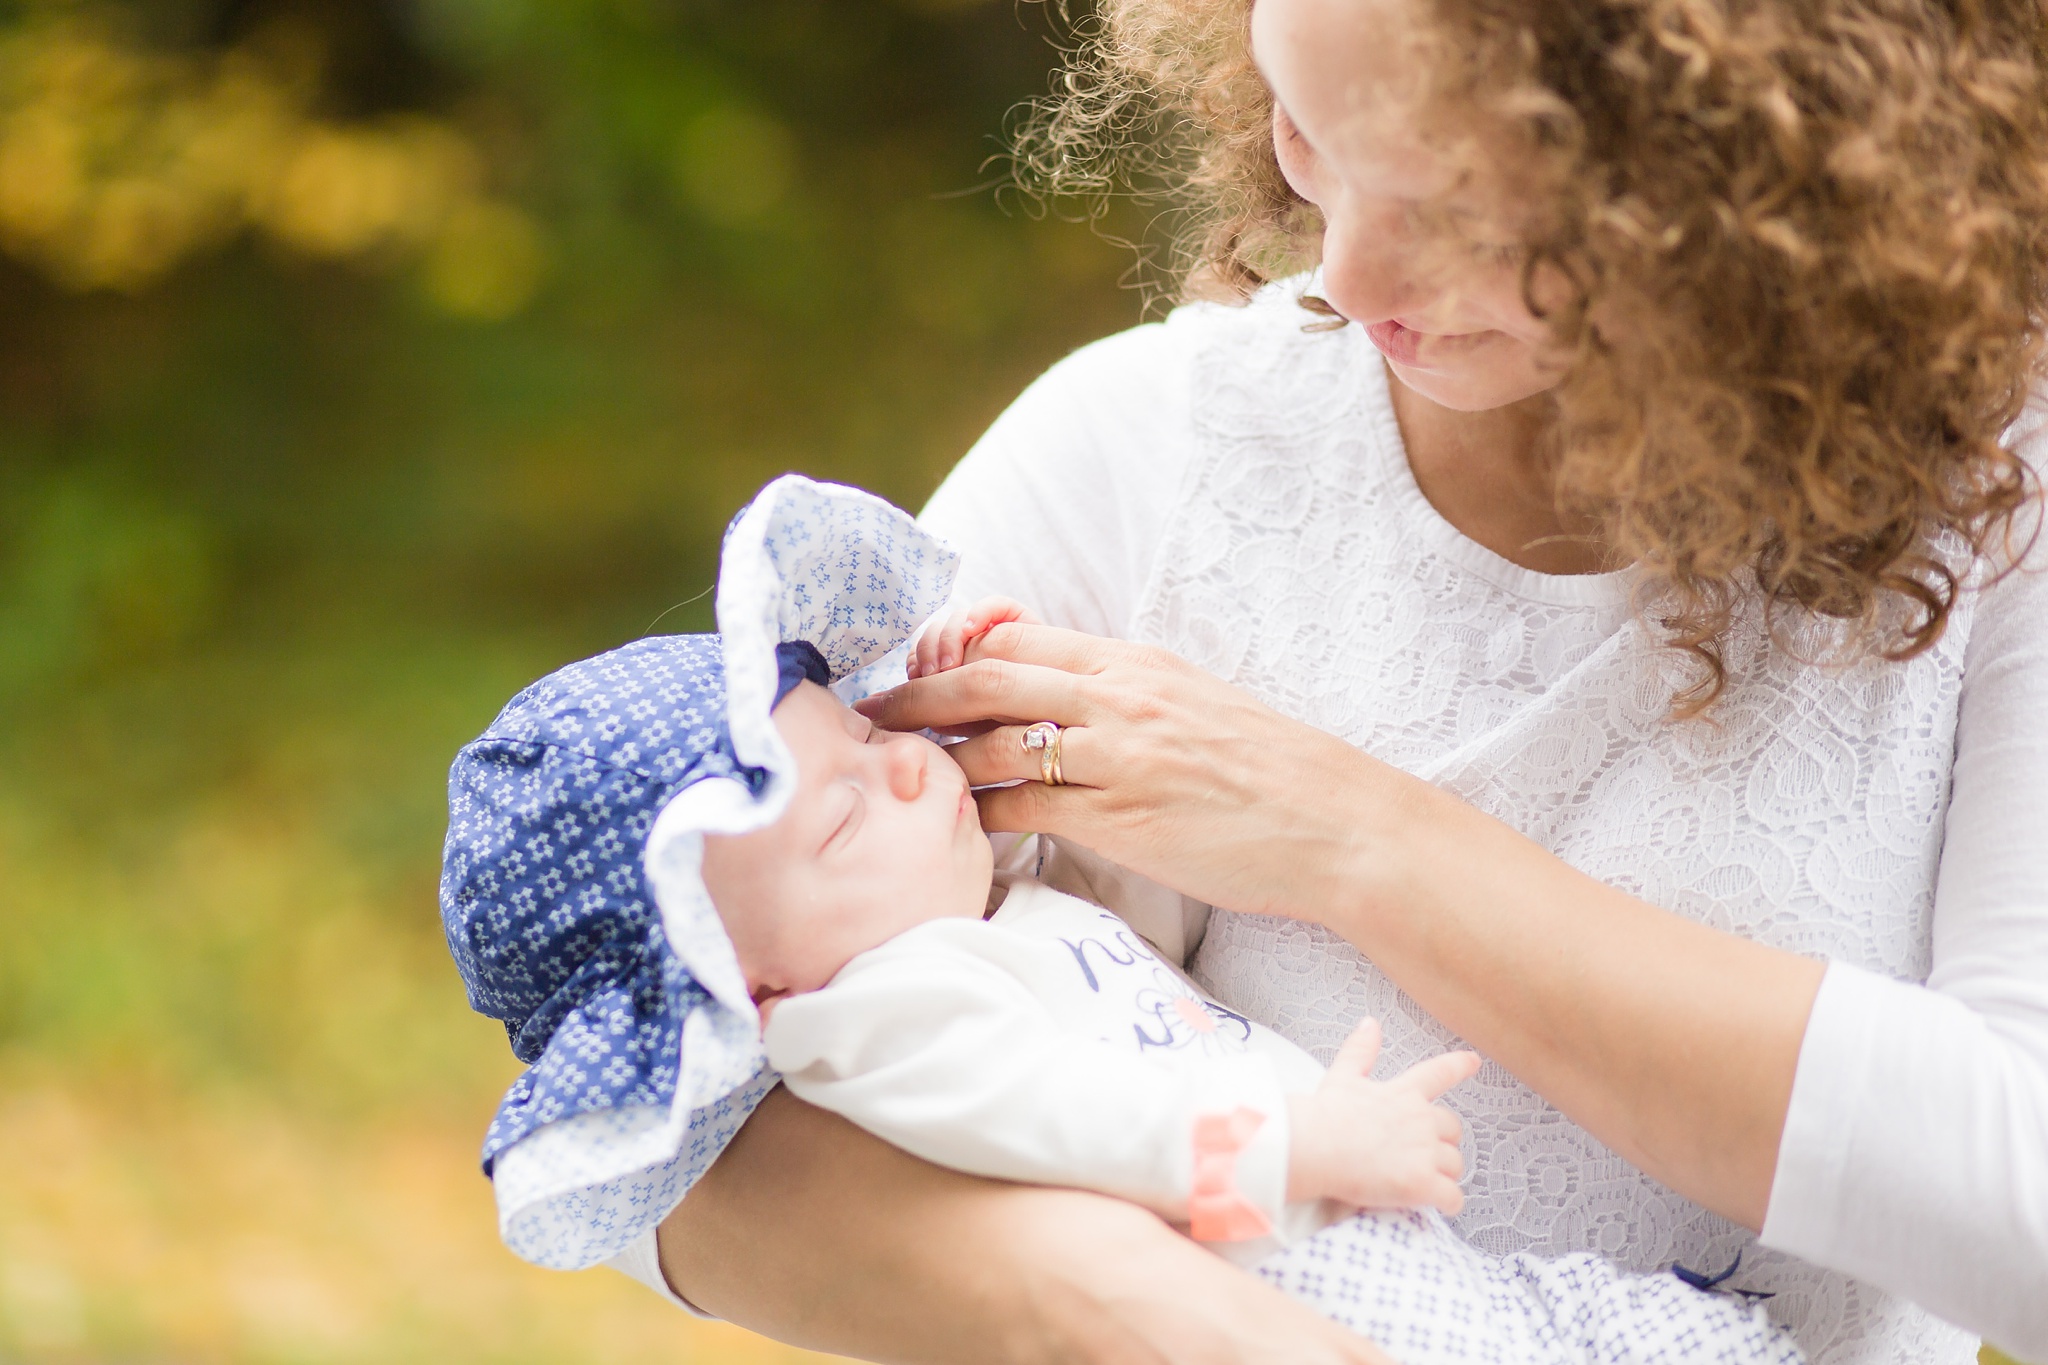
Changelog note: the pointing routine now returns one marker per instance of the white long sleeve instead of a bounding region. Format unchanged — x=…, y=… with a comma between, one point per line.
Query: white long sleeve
x=1915, y=1151
x=1892, y=819
x=1058, y=1053
x=943, y=1054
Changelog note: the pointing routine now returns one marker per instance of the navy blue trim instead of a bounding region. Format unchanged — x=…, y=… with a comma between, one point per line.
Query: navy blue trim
x=799, y=661
x=1706, y=1283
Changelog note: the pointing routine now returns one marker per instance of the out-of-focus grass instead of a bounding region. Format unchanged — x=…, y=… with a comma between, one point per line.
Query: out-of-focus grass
x=241, y=1096
x=146, y=1226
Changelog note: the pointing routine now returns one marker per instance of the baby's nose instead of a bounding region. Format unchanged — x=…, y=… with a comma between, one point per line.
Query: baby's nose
x=907, y=762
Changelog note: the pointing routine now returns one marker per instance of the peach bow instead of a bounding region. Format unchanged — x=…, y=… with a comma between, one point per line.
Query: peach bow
x=1217, y=1209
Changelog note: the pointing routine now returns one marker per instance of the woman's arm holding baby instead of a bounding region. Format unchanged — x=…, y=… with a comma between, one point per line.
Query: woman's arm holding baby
x=813, y=1232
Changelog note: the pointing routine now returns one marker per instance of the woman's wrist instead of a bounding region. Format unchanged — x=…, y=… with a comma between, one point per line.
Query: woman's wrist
x=1390, y=862
x=1147, y=1295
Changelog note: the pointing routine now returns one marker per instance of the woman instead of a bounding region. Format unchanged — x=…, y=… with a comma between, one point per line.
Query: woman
x=1599, y=650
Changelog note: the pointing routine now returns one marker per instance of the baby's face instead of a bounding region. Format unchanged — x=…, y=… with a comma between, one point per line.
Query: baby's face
x=882, y=834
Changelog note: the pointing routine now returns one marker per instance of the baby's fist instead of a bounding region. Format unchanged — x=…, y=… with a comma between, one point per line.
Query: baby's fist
x=944, y=644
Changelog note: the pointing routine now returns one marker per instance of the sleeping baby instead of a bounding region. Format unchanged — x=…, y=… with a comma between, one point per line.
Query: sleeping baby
x=1041, y=1040
x=687, y=869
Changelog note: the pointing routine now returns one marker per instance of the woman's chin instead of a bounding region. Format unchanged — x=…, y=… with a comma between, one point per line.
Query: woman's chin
x=1473, y=380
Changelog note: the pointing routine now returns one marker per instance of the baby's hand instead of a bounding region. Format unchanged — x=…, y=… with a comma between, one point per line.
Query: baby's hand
x=1379, y=1145
x=944, y=645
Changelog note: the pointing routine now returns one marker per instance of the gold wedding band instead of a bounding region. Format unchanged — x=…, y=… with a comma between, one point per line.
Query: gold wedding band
x=1044, y=739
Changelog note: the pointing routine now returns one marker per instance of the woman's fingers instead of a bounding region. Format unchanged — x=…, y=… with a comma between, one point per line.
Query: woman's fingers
x=1027, y=642
x=1359, y=1052
x=999, y=755
x=987, y=689
x=1034, y=808
x=1435, y=1075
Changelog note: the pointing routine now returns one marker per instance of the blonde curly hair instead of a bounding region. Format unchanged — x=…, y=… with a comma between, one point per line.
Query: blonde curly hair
x=1806, y=244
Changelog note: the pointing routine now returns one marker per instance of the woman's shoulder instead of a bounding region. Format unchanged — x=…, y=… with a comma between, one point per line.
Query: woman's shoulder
x=1143, y=378
x=1062, y=503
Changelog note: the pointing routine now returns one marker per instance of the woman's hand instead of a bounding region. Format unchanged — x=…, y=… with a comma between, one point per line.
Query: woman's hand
x=1170, y=772
x=813, y=1232
x=1672, y=1043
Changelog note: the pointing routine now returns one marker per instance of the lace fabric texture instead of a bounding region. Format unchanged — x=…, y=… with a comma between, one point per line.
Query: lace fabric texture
x=1303, y=564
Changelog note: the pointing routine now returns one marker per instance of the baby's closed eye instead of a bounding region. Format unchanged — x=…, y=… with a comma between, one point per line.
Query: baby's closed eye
x=849, y=810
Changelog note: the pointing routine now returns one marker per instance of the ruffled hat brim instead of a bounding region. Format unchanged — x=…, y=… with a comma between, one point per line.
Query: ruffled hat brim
x=854, y=577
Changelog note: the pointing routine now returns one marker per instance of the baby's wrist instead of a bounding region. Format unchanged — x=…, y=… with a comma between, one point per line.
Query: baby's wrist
x=1306, y=1178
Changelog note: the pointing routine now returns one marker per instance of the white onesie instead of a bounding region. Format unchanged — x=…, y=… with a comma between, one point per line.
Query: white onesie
x=1050, y=1044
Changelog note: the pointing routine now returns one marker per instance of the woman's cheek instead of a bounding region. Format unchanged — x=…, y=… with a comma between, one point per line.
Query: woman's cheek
x=1296, y=164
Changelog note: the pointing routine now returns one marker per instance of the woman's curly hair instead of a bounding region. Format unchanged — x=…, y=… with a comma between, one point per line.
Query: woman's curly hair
x=1806, y=247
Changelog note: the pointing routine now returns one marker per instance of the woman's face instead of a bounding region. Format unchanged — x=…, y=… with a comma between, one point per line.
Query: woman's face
x=1419, y=251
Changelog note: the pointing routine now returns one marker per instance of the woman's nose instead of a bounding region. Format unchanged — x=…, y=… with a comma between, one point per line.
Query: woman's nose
x=1368, y=262
x=907, y=761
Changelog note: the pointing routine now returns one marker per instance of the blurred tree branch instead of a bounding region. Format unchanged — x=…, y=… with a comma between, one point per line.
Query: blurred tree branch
x=118, y=164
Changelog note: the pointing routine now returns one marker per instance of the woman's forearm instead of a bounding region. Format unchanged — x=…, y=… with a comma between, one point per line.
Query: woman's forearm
x=1673, y=1043
x=813, y=1232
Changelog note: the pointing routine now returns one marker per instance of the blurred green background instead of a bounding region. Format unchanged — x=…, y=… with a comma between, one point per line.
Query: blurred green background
x=360, y=361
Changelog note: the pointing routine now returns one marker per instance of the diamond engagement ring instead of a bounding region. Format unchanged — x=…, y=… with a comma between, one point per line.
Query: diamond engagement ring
x=1043, y=739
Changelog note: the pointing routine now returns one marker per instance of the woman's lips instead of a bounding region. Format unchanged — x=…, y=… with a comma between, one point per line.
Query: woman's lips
x=1399, y=344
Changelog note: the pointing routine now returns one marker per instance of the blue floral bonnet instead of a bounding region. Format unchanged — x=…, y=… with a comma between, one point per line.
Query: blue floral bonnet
x=571, y=890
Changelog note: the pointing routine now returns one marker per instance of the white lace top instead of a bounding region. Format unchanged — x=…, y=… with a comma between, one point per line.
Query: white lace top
x=1234, y=488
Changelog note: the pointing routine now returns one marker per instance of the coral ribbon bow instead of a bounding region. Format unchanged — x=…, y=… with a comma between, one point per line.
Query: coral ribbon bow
x=1217, y=1209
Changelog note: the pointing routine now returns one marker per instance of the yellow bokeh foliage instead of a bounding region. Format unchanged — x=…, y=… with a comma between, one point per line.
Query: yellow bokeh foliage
x=117, y=164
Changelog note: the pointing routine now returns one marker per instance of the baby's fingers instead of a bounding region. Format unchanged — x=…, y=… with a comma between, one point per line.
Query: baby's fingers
x=1432, y=1077
x=1359, y=1052
x=1422, y=1184
x=926, y=652
x=941, y=641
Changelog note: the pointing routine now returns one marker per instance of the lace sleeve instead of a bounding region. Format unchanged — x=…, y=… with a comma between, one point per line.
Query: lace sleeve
x=1063, y=503
x=1915, y=1152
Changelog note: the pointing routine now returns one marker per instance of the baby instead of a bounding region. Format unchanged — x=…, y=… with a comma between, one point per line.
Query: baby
x=682, y=868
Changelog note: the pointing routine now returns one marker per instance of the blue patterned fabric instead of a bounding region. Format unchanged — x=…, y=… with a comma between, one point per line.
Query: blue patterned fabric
x=547, y=909
x=571, y=889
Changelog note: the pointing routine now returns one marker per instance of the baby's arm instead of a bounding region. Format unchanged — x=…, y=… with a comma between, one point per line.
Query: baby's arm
x=953, y=1059
x=944, y=643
